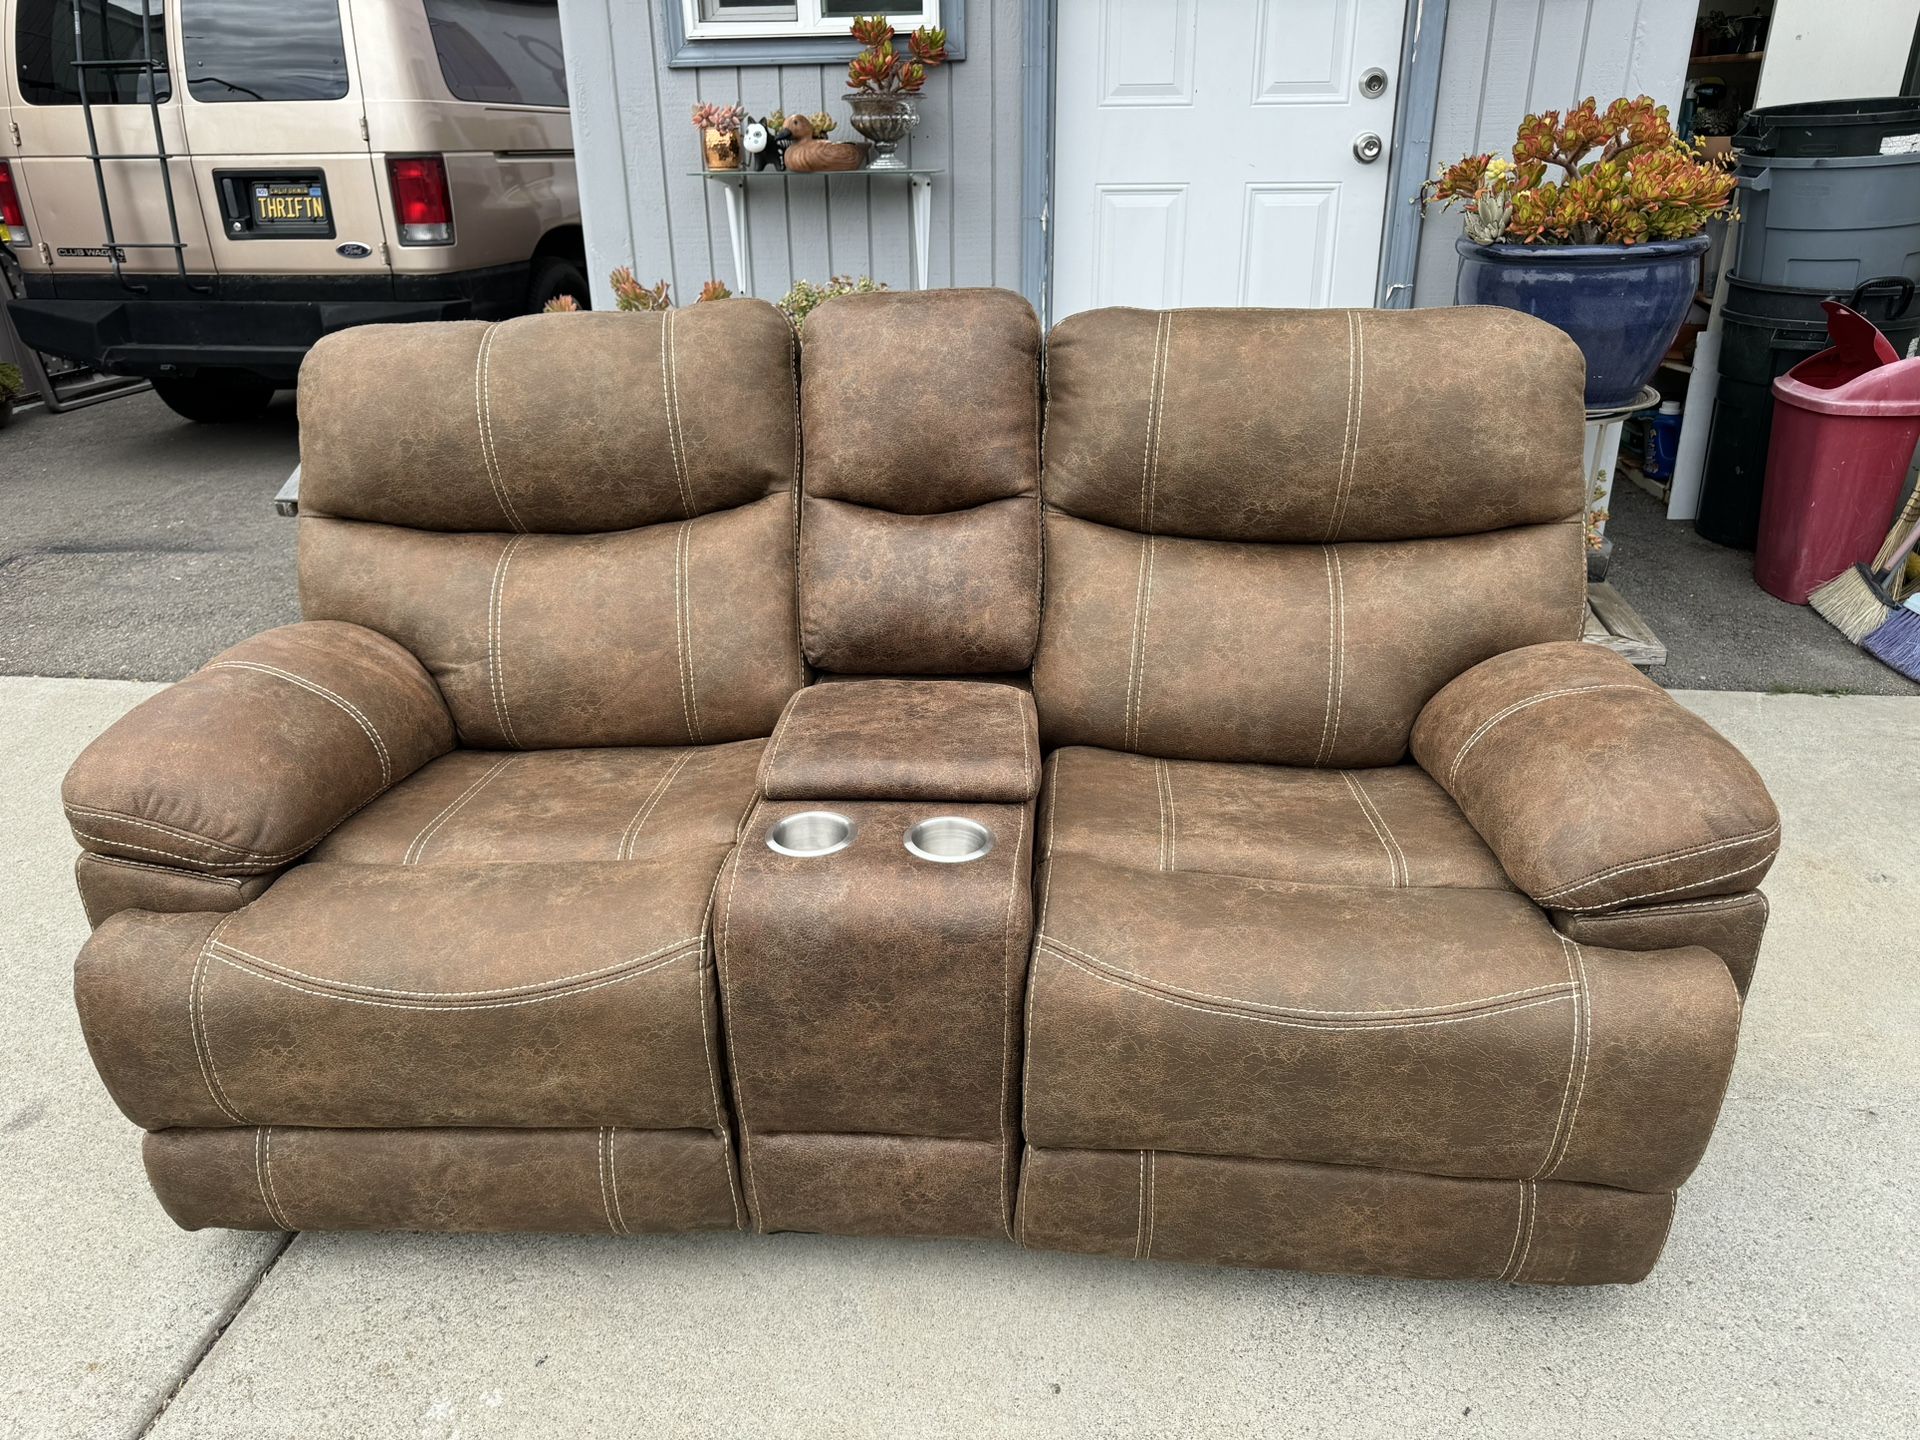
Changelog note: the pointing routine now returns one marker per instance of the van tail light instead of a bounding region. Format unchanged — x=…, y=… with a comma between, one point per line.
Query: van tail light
x=420, y=199
x=13, y=215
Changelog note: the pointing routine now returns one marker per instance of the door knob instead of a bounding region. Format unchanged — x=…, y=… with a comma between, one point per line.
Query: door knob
x=1373, y=83
x=1367, y=147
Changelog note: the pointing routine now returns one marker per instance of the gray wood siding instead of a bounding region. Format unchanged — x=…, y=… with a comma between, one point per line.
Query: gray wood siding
x=1507, y=58
x=635, y=148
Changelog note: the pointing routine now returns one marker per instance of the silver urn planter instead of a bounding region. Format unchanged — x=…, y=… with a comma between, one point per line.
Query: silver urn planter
x=885, y=120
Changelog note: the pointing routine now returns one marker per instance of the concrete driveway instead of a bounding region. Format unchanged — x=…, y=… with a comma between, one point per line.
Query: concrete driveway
x=1787, y=1303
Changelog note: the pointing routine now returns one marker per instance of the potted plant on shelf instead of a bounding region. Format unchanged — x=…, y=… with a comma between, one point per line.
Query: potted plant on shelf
x=882, y=84
x=719, y=127
x=10, y=385
x=1607, y=248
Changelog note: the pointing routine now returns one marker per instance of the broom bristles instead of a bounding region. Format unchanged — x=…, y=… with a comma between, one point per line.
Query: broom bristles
x=1897, y=643
x=1851, y=604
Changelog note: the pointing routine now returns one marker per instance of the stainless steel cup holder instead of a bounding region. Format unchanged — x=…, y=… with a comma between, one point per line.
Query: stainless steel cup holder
x=810, y=834
x=949, y=840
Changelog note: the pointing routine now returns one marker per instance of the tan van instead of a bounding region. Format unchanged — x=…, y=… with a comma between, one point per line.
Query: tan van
x=198, y=190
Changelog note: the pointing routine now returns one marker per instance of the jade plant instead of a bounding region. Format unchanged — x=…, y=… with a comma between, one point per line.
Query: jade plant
x=882, y=70
x=1623, y=177
x=805, y=297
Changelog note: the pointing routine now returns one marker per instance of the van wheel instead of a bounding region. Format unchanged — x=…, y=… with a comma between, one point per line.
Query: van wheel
x=555, y=275
x=215, y=396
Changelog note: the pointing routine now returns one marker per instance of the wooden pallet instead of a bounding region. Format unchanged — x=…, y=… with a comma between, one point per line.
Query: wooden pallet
x=1612, y=622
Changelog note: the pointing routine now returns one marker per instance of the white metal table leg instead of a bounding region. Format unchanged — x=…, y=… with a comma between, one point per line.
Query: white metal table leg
x=737, y=232
x=922, y=227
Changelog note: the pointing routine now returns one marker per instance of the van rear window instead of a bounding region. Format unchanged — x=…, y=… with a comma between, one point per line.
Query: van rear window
x=502, y=52
x=110, y=30
x=239, y=50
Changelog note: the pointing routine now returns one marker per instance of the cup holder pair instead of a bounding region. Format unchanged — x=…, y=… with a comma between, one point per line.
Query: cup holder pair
x=943, y=839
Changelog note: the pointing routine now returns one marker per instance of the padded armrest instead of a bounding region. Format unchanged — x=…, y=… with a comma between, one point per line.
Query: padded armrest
x=244, y=765
x=905, y=740
x=1595, y=788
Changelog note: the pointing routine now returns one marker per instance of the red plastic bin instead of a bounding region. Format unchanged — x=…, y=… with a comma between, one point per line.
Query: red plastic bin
x=1844, y=426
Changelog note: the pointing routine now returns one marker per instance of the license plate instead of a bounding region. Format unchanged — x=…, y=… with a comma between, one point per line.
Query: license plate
x=291, y=207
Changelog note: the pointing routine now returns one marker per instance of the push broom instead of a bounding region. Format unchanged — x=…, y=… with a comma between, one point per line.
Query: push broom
x=1897, y=642
x=1858, y=601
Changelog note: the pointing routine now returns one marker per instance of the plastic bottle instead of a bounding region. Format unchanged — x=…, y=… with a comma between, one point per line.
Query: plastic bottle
x=1663, y=440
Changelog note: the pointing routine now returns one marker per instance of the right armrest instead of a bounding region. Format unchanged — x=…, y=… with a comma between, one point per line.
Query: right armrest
x=244, y=765
x=967, y=740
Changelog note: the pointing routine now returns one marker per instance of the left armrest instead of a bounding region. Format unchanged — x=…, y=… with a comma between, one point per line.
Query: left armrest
x=1593, y=786
x=905, y=740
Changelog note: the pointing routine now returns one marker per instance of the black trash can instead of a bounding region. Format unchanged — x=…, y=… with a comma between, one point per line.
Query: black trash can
x=1832, y=127
x=1765, y=332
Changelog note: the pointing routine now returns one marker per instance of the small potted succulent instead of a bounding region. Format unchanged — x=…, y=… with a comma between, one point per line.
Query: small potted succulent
x=882, y=84
x=10, y=385
x=805, y=297
x=719, y=127
x=1608, y=248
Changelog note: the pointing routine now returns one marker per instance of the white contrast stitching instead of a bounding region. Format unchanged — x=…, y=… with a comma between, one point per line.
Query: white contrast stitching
x=1453, y=770
x=1583, y=1018
x=1326, y=725
x=1140, y=1209
x=1519, y=1224
x=483, y=413
x=685, y=617
x=353, y=711
x=175, y=832
x=1346, y=440
x=496, y=602
x=197, y=1023
x=1150, y=994
x=1645, y=895
x=425, y=1009
x=1448, y=1007
x=733, y=1060
x=639, y=821
x=288, y=970
x=679, y=635
x=670, y=399
x=1152, y=1198
x=174, y=871
x=1375, y=823
x=1573, y=1062
x=1533, y=1211
x=419, y=846
x=1160, y=797
x=1687, y=852
x=275, y=1209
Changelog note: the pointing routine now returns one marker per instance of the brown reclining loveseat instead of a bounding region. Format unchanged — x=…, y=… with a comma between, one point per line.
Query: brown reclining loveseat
x=725, y=785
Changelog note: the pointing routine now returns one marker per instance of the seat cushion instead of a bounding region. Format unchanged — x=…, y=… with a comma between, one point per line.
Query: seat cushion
x=492, y=806
x=387, y=995
x=1388, y=827
x=1443, y=1030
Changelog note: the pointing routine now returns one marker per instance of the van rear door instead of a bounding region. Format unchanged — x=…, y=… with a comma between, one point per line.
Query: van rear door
x=276, y=120
x=128, y=64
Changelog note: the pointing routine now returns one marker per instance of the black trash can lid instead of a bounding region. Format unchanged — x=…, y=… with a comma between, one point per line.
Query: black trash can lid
x=1830, y=127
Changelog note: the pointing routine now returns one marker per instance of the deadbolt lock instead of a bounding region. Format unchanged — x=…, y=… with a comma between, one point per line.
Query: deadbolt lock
x=1373, y=84
x=1367, y=147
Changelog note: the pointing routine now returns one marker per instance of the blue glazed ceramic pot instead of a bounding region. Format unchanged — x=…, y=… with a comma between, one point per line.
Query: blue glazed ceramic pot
x=1622, y=304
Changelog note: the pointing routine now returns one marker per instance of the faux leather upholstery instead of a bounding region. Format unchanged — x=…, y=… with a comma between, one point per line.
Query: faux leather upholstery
x=920, y=546
x=594, y=547
x=1339, y=1219
x=1595, y=788
x=246, y=764
x=1342, y=912
x=1387, y=827
x=480, y=806
x=585, y=1182
x=905, y=740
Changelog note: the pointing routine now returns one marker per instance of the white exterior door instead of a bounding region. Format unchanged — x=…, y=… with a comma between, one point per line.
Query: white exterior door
x=1205, y=151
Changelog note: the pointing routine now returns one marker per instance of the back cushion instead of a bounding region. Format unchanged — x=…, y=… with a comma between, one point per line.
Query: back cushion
x=582, y=524
x=1273, y=535
x=920, y=530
